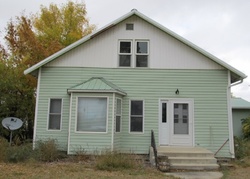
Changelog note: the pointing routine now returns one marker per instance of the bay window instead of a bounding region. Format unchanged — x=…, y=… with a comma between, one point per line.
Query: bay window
x=92, y=114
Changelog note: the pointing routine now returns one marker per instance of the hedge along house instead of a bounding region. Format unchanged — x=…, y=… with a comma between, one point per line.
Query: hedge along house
x=111, y=88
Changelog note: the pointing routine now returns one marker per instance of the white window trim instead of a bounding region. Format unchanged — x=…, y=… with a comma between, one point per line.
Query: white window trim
x=120, y=116
x=135, y=54
x=88, y=132
x=49, y=114
x=131, y=54
x=191, y=103
x=143, y=116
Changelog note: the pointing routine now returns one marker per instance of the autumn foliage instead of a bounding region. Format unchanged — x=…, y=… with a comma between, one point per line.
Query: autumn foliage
x=28, y=40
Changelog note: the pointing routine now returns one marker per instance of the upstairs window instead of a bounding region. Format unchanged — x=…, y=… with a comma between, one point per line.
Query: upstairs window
x=141, y=54
x=125, y=53
x=55, y=114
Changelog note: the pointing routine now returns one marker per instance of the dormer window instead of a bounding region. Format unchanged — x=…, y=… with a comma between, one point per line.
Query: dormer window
x=125, y=53
x=133, y=53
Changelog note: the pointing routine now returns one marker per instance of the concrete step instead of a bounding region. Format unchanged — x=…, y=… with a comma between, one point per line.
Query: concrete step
x=195, y=167
x=185, y=152
x=189, y=158
x=194, y=160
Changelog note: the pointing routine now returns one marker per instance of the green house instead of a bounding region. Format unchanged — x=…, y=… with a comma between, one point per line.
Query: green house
x=108, y=90
x=240, y=110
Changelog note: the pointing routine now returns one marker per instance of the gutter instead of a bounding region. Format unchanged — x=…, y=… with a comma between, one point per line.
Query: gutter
x=237, y=83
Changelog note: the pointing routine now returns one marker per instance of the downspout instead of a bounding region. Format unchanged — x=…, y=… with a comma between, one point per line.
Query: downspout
x=230, y=118
x=237, y=83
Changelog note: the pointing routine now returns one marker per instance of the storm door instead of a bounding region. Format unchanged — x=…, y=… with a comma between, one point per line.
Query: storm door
x=176, y=122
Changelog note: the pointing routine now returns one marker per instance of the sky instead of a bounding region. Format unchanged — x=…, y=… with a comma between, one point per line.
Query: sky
x=221, y=27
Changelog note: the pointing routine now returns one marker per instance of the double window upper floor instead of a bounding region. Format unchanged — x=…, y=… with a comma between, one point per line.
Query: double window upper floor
x=133, y=53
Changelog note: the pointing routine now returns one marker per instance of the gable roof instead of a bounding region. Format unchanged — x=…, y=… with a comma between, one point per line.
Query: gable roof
x=239, y=103
x=235, y=74
x=96, y=85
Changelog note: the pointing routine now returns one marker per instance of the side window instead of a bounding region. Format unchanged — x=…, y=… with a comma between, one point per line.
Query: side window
x=141, y=54
x=136, y=116
x=118, y=115
x=55, y=114
x=125, y=54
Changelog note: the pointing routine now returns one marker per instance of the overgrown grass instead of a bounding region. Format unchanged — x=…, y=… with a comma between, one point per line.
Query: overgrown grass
x=241, y=148
x=47, y=151
x=115, y=161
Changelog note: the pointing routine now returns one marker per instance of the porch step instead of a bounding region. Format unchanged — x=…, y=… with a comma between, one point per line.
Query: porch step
x=189, y=158
x=196, y=167
x=196, y=160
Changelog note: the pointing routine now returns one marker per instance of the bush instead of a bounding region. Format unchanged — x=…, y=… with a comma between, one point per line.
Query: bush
x=114, y=160
x=47, y=151
x=19, y=153
x=246, y=127
x=240, y=147
x=4, y=145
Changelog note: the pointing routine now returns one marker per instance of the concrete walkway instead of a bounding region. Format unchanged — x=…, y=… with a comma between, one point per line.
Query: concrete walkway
x=196, y=175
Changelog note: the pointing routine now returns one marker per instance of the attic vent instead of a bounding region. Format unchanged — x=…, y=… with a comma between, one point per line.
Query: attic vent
x=129, y=26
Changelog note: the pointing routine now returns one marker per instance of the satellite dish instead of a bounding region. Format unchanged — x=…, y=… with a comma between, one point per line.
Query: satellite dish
x=12, y=123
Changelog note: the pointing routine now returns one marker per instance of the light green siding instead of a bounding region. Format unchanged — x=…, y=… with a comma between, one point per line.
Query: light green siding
x=208, y=89
x=90, y=142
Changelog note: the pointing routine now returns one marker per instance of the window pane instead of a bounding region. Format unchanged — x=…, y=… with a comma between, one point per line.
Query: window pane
x=136, y=124
x=124, y=60
x=118, y=124
x=141, y=60
x=92, y=114
x=142, y=47
x=136, y=108
x=55, y=105
x=118, y=106
x=181, y=118
x=125, y=47
x=164, y=112
x=54, y=121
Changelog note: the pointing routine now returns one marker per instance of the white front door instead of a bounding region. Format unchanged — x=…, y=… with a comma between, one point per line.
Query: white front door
x=176, y=122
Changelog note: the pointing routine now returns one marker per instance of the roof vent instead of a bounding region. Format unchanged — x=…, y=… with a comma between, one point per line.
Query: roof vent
x=129, y=26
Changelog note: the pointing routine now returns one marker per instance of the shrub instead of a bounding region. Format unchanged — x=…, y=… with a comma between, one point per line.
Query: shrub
x=114, y=160
x=47, y=150
x=240, y=147
x=4, y=145
x=19, y=153
x=246, y=127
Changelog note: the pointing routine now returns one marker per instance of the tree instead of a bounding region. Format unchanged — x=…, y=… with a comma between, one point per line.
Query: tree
x=30, y=39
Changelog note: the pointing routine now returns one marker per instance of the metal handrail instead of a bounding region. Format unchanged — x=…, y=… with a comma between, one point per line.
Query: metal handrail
x=153, y=145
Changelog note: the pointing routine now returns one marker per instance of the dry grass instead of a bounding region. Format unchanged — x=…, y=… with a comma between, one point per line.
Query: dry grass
x=33, y=169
